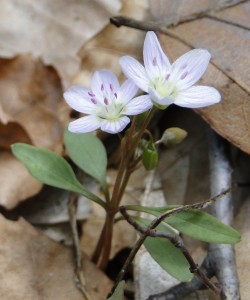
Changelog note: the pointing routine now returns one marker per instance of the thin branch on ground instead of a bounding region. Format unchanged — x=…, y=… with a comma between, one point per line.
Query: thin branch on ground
x=156, y=222
x=79, y=274
x=177, y=242
x=162, y=26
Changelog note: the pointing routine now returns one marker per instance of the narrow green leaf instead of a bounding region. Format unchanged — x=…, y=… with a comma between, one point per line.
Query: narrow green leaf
x=88, y=153
x=170, y=258
x=50, y=168
x=119, y=292
x=196, y=224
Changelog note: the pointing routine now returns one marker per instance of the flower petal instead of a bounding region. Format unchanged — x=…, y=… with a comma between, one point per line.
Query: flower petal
x=115, y=126
x=78, y=98
x=189, y=68
x=166, y=101
x=135, y=71
x=104, y=84
x=127, y=91
x=155, y=60
x=84, y=124
x=138, y=105
x=198, y=96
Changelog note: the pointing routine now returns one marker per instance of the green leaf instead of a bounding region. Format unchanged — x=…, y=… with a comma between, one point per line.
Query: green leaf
x=196, y=224
x=118, y=293
x=50, y=168
x=88, y=153
x=170, y=258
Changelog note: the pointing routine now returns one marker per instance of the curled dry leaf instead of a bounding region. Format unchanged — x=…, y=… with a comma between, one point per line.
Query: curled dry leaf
x=53, y=30
x=226, y=35
x=36, y=267
x=105, y=49
x=31, y=95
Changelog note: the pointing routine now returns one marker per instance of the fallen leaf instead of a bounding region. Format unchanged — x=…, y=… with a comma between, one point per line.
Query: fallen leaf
x=35, y=267
x=16, y=183
x=104, y=50
x=31, y=96
x=53, y=31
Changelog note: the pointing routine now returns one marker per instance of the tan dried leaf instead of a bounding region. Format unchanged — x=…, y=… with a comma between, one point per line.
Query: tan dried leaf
x=31, y=95
x=52, y=30
x=35, y=267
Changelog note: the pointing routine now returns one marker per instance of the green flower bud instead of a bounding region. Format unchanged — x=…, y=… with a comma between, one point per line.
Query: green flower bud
x=172, y=136
x=149, y=156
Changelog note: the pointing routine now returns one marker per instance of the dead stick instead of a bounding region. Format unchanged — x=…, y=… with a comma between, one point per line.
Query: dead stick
x=79, y=275
x=177, y=242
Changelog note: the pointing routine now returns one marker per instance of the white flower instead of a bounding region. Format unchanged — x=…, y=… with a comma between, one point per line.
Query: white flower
x=107, y=104
x=166, y=83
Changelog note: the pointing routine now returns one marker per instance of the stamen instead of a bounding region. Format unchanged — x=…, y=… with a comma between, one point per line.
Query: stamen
x=93, y=100
x=111, y=87
x=115, y=95
x=154, y=61
x=184, y=75
x=102, y=87
x=106, y=101
x=91, y=94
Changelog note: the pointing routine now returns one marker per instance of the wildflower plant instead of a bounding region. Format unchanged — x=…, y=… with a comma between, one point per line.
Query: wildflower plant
x=114, y=108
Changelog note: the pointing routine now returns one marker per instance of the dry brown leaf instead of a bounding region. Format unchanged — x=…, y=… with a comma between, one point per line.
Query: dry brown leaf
x=16, y=183
x=35, y=267
x=105, y=49
x=226, y=35
x=52, y=30
x=31, y=95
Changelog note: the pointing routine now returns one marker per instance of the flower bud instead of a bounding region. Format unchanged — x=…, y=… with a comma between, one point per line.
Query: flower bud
x=172, y=136
x=149, y=156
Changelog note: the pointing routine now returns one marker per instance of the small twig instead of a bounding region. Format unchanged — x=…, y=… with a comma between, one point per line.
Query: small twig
x=162, y=27
x=177, y=242
x=79, y=274
x=155, y=223
x=184, y=288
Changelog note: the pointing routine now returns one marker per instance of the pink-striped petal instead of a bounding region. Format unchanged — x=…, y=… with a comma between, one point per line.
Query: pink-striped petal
x=138, y=105
x=135, y=71
x=115, y=126
x=155, y=60
x=78, y=98
x=84, y=124
x=189, y=68
x=198, y=96
x=104, y=84
x=127, y=91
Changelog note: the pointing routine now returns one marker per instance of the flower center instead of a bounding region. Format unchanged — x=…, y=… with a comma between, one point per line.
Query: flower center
x=164, y=87
x=111, y=110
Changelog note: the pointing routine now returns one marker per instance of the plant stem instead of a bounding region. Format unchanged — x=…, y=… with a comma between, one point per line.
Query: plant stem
x=109, y=223
x=104, y=243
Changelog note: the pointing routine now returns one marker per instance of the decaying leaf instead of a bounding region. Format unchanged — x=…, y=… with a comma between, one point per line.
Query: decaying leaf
x=104, y=50
x=31, y=96
x=53, y=31
x=34, y=267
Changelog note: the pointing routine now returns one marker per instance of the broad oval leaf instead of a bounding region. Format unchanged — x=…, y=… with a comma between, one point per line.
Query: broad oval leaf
x=196, y=224
x=88, y=153
x=170, y=258
x=50, y=168
x=119, y=292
